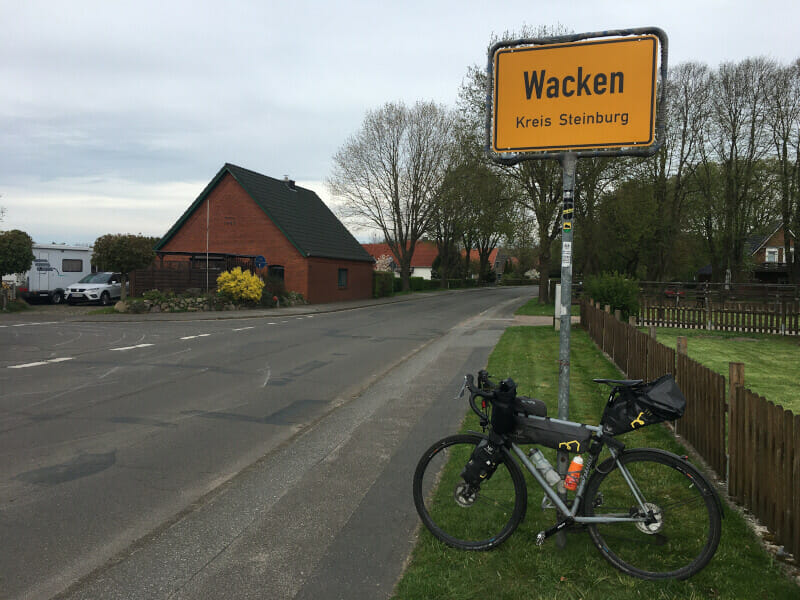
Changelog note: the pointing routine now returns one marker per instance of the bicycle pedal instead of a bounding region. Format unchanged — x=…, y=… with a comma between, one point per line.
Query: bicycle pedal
x=540, y=538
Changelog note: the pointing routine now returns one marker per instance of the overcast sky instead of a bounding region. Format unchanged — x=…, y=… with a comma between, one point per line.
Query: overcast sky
x=114, y=115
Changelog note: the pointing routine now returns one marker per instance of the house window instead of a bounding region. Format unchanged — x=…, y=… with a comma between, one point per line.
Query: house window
x=276, y=271
x=772, y=255
x=342, y=278
x=71, y=265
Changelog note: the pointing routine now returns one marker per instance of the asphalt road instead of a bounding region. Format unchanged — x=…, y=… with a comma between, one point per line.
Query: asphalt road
x=265, y=457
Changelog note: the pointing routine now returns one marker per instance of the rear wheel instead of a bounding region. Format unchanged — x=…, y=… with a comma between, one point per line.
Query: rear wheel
x=56, y=297
x=682, y=529
x=464, y=516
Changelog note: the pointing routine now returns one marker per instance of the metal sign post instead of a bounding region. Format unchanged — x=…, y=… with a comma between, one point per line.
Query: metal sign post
x=569, y=164
x=570, y=97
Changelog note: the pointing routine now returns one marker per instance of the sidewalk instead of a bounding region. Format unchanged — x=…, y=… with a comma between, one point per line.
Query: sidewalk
x=80, y=313
x=540, y=320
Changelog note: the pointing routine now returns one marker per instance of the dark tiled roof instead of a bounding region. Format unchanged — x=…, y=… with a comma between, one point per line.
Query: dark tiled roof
x=299, y=213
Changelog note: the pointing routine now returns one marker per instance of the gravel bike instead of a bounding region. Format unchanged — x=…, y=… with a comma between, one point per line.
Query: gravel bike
x=649, y=512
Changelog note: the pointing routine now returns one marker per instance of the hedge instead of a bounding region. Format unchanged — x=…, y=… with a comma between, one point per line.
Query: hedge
x=382, y=284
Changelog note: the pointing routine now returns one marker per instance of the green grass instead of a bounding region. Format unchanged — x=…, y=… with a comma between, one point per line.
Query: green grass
x=520, y=569
x=534, y=309
x=106, y=310
x=15, y=306
x=771, y=362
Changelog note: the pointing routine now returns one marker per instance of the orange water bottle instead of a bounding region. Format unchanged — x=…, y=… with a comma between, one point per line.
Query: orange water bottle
x=573, y=474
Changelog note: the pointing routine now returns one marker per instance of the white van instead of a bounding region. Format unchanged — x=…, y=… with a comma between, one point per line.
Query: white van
x=54, y=267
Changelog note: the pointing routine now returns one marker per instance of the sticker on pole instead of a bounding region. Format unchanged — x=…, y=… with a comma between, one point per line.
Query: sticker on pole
x=591, y=94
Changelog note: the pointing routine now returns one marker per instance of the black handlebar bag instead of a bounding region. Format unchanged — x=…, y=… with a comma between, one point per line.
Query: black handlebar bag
x=635, y=407
x=503, y=407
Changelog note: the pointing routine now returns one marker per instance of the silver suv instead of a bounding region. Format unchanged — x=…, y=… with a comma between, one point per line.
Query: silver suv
x=96, y=287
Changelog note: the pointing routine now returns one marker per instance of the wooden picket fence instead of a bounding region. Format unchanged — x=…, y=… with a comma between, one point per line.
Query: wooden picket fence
x=760, y=458
x=764, y=442
x=777, y=318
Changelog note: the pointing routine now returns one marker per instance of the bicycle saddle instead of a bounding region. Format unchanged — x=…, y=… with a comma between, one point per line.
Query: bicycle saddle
x=619, y=382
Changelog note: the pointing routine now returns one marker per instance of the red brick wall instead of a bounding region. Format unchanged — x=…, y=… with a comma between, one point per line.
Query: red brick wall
x=324, y=280
x=776, y=241
x=238, y=226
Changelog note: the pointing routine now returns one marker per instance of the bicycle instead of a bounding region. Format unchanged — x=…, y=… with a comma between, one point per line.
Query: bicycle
x=649, y=512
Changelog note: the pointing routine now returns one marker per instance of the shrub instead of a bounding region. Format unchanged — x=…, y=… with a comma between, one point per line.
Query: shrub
x=417, y=284
x=619, y=291
x=274, y=287
x=382, y=284
x=240, y=286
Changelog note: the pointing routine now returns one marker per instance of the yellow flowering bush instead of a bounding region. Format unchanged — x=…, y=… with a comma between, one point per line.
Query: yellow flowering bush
x=240, y=286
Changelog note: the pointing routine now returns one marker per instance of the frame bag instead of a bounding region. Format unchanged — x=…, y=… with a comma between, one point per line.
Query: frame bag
x=634, y=407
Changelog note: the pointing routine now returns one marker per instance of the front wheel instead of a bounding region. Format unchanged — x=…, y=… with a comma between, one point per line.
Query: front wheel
x=57, y=297
x=464, y=516
x=681, y=529
x=105, y=299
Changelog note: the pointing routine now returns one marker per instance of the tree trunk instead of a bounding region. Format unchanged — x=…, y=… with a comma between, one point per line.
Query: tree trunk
x=405, y=275
x=544, y=273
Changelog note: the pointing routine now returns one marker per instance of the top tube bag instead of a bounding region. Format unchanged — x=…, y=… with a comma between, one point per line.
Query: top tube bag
x=637, y=406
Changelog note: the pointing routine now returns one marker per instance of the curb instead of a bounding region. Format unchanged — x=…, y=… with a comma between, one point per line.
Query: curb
x=307, y=309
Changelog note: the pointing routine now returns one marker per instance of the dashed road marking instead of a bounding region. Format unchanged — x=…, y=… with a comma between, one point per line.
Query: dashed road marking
x=40, y=363
x=243, y=328
x=191, y=337
x=130, y=347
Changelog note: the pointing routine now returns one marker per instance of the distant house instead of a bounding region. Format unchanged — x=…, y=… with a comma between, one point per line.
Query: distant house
x=769, y=254
x=241, y=212
x=497, y=259
x=421, y=262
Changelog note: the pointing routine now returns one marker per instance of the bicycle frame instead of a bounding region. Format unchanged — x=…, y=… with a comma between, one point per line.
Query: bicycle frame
x=572, y=513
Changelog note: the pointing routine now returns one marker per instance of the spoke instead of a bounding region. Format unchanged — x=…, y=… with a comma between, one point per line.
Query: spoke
x=490, y=500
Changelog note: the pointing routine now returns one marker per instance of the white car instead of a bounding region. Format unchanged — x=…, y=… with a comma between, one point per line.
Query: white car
x=96, y=287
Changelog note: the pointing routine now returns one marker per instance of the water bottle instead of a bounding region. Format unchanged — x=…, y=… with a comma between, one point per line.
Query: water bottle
x=573, y=474
x=544, y=467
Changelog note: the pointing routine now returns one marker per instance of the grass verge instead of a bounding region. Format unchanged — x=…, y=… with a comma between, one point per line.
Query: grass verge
x=771, y=362
x=520, y=569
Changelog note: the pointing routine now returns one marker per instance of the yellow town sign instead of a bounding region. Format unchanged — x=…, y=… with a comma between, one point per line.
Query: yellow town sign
x=582, y=95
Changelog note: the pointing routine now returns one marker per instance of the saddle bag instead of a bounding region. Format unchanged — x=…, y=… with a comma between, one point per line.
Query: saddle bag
x=635, y=407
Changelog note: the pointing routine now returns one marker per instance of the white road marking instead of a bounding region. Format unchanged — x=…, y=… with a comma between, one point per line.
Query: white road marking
x=130, y=347
x=40, y=363
x=243, y=328
x=191, y=337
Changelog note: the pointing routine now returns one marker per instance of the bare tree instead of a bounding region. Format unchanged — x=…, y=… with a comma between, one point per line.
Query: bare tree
x=670, y=173
x=389, y=172
x=731, y=173
x=784, y=126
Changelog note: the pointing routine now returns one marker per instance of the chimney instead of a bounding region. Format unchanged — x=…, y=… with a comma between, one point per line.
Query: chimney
x=289, y=183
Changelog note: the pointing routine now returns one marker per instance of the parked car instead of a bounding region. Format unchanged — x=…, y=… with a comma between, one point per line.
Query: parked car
x=96, y=287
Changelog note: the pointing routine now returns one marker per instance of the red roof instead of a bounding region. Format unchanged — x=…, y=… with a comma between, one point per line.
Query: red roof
x=492, y=255
x=424, y=253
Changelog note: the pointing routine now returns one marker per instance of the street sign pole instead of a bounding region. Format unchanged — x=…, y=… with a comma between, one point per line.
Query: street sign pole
x=569, y=163
x=587, y=95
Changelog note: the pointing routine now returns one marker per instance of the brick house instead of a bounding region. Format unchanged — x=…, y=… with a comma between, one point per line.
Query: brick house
x=242, y=212
x=768, y=254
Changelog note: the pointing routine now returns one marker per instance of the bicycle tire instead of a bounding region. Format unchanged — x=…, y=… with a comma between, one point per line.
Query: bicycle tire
x=687, y=516
x=460, y=520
